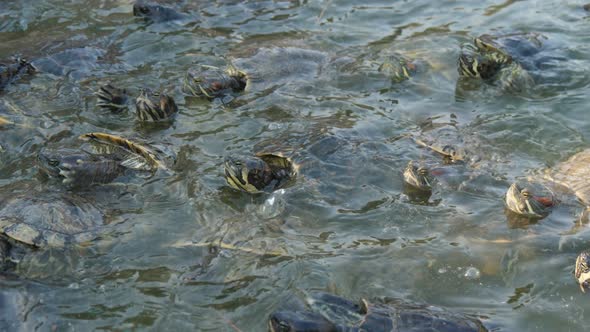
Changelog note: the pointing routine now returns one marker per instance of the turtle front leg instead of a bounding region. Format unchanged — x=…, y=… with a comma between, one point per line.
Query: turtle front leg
x=112, y=98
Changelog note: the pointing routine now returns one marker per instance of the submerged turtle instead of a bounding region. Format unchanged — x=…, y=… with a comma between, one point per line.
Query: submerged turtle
x=328, y=312
x=156, y=12
x=46, y=220
x=149, y=106
x=110, y=157
x=11, y=72
x=263, y=173
x=571, y=175
x=503, y=60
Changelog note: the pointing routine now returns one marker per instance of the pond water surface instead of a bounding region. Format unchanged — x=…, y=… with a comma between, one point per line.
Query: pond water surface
x=183, y=251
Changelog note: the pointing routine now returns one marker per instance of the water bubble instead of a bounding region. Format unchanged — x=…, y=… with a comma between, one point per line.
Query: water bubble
x=74, y=285
x=273, y=205
x=442, y=270
x=472, y=273
x=276, y=126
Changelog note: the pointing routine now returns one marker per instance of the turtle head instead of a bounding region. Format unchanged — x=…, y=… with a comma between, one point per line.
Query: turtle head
x=153, y=106
x=582, y=270
x=523, y=201
x=212, y=82
x=453, y=154
x=398, y=68
x=298, y=321
x=251, y=175
x=60, y=163
x=26, y=66
x=474, y=64
x=417, y=177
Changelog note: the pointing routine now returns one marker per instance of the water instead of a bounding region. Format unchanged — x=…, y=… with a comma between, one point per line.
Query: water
x=183, y=251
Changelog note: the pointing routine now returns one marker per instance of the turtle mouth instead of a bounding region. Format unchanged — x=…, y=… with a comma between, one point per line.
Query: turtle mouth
x=523, y=202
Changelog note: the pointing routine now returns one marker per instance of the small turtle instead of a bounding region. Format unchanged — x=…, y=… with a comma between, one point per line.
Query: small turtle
x=571, y=174
x=503, y=60
x=150, y=106
x=270, y=69
x=213, y=82
x=111, y=157
x=328, y=312
x=263, y=173
x=47, y=220
x=12, y=72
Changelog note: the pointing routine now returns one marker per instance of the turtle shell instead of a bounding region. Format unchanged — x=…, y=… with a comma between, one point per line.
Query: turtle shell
x=50, y=220
x=573, y=174
x=394, y=315
x=271, y=68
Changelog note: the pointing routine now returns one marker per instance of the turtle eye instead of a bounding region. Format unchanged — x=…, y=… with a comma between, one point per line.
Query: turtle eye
x=53, y=162
x=525, y=193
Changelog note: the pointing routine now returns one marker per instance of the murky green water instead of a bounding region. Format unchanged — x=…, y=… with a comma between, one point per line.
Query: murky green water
x=182, y=251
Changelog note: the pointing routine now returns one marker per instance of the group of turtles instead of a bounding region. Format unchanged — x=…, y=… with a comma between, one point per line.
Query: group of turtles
x=505, y=61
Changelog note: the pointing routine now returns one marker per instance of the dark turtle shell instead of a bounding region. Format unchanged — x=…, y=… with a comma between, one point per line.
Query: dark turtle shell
x=50, y=219
x=11, y=72
x=79, y=168
x=333, y=313
x=153, y=11
x=107, y=158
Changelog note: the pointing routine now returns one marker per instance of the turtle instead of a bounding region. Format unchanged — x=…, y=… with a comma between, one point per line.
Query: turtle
x=110, y=157
x=571, y=175
x=214, y=82
x=265, y=172
x=12, y=72
x=502, y=60
x=268, y=70
x=156, y=12
x=150, y=106
x=328, y=312
x=46, y=219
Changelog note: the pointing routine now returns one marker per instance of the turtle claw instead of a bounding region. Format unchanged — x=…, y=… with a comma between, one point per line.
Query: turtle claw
x=112, y=98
